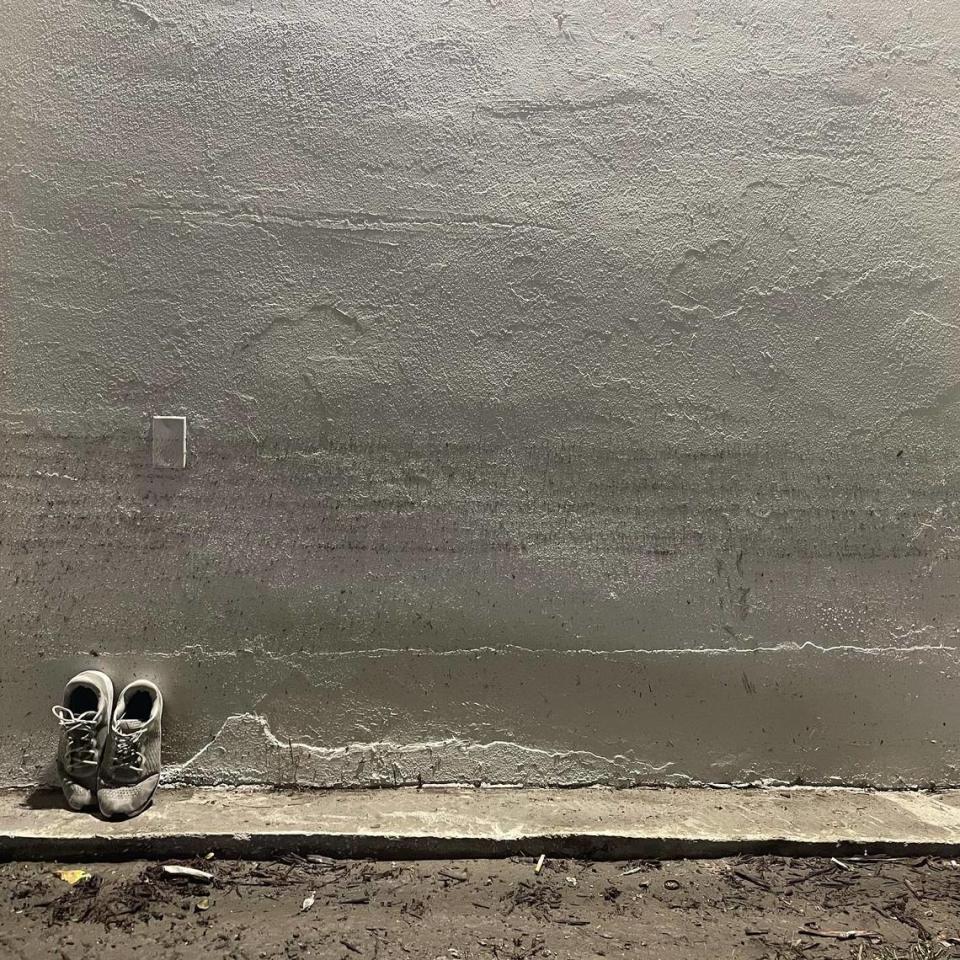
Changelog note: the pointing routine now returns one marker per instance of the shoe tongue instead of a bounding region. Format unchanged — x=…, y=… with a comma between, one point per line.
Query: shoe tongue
x=128, y=726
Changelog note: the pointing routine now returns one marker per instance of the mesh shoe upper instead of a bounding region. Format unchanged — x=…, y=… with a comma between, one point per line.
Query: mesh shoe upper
x=130, y=768
x=83, y=717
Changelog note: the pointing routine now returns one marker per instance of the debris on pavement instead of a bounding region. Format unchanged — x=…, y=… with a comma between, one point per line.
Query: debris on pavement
x=752, y=908
x=841, y=934
x=175, y=870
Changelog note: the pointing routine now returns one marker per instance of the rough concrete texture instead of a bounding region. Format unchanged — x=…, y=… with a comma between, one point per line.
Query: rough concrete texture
x=572, y=390
x=596, y=822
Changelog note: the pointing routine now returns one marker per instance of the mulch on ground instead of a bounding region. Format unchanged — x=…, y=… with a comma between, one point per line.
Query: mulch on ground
x=752, y=908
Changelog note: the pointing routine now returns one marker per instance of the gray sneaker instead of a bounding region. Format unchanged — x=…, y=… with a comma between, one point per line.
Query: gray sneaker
x=130, y=768
x=84, y=718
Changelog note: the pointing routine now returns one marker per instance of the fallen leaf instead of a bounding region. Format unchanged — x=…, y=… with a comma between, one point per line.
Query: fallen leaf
x=73, y=877
x=202, y=904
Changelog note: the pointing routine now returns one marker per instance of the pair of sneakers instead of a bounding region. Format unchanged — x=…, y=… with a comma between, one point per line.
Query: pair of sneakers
x=109, y=754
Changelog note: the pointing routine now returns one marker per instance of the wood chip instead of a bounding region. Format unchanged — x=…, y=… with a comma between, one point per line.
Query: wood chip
x=842, y=934
x=175, y=870
x=756, y=881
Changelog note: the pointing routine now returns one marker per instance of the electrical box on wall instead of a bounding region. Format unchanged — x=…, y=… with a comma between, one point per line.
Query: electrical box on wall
x=170, y=442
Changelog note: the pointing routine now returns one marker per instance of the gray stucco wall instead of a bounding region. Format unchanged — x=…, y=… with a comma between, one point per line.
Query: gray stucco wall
x=573, y=391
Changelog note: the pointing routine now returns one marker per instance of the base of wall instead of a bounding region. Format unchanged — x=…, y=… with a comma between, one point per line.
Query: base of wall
x=593, y=823
x=797, y=714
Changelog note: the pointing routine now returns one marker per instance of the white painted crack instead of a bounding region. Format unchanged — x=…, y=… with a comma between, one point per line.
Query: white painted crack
x=198, y=650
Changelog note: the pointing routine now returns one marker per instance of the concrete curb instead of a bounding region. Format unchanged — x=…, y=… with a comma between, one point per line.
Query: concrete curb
x=271, y=846
x=466, y=823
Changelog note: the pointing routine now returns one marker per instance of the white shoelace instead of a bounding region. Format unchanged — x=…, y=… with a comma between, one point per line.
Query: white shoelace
x=126, y=748
x=81, y=730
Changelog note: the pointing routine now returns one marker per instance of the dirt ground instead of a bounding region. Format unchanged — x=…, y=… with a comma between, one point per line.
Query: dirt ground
x=762, y=907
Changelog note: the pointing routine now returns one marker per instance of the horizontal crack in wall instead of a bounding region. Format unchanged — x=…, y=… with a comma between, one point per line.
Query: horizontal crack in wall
x=198, y=650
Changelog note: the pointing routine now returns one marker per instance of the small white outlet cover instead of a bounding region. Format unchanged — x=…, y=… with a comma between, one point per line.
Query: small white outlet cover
x=170, y=442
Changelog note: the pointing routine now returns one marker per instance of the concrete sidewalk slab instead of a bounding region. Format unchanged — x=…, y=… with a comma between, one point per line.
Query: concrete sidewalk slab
x=409, y=823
